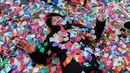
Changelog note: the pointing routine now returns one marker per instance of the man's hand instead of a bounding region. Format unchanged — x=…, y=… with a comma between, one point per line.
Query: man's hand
x=102, y=13
x=25, y=45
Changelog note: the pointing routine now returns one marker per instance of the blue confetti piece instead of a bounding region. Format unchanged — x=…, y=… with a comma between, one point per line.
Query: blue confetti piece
x=14, y=67
x=55, y=44
x=26, y=60
x=113, y=54
x=38, y=40
x=16, y=62
x=125, y=54
x=101, y=46
x=55, y=60
x=8, y=68
x=27, y=18
x=55, y=1
x=26, y=12
x=1, y=37
x=43, y=71
x=8, y=34
x=30, y=63
x=90, y=22
x=102, y=66
x=29, y=27
x=106, y=25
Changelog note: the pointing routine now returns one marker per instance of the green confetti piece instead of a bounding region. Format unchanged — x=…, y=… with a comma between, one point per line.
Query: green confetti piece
x=128, y=51
x=122, y=62
x=65, y=5
x=53, y=3
x=64, y=13
x=31, y=71
x=126, y=72
x=85, y=18
x=40, y=6
x=15, y=53
x=87, y=64
x=46, y=69
x=128, y=31
x=43, y=13
x=129, y=18
x=109, y=37
x=26, y=7
x=121, y=19
x=39, y=46
x=114, y=24
x=12, y=25
x=34, y=10
x=15, y=19
x=46, y=33
x=101, y=64
x=33, y=17
x=76, y=45
x=21, y=19
x=42, y=50
x=5, y=61
x=32, y=42
x=22, y=29
x=1, y=61
x=46, y=43
x=107, y=18
x=116, y=11
x=37, y=9
x=34, y=4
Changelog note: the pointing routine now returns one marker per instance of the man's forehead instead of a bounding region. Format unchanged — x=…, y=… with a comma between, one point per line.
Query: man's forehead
x=56, y=16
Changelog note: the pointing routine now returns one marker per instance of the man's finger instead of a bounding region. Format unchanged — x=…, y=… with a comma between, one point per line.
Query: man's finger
x=21, y=47
x=34, y=41
x=100, y=10
x=104, y=9
x=21, y=43
x=25, y=40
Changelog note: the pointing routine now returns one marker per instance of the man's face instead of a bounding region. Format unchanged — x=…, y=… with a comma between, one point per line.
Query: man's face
x=30, y=0
x=56, y=20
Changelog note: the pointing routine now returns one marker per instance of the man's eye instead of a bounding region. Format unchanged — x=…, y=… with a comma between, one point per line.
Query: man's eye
x=57, y=17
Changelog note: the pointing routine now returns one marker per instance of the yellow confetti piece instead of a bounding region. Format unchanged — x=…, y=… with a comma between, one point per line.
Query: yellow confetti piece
x=67, y=60
x=39, y=66
x=119, y=68
x=54, y=35
x=66, y=38
x=96, y=10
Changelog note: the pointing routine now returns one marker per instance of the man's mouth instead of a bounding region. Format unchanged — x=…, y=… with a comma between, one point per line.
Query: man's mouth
x=58, y=22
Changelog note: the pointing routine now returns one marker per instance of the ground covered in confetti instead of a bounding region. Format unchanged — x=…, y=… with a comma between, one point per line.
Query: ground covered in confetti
x=17, y=21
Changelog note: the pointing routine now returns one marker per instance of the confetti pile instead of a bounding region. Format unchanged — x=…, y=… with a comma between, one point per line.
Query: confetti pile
x=28, y=20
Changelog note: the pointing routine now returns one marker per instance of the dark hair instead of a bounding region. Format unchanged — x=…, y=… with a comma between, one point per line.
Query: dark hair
x=127, y=25
x=49, y=19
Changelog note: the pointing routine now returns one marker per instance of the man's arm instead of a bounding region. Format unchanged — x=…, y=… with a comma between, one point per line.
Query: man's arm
x=100, y=23
x=39, y=56
x=42, y=53
x=99, y=28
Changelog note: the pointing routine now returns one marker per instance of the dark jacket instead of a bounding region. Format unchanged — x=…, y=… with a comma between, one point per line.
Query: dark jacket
x=73, y=66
